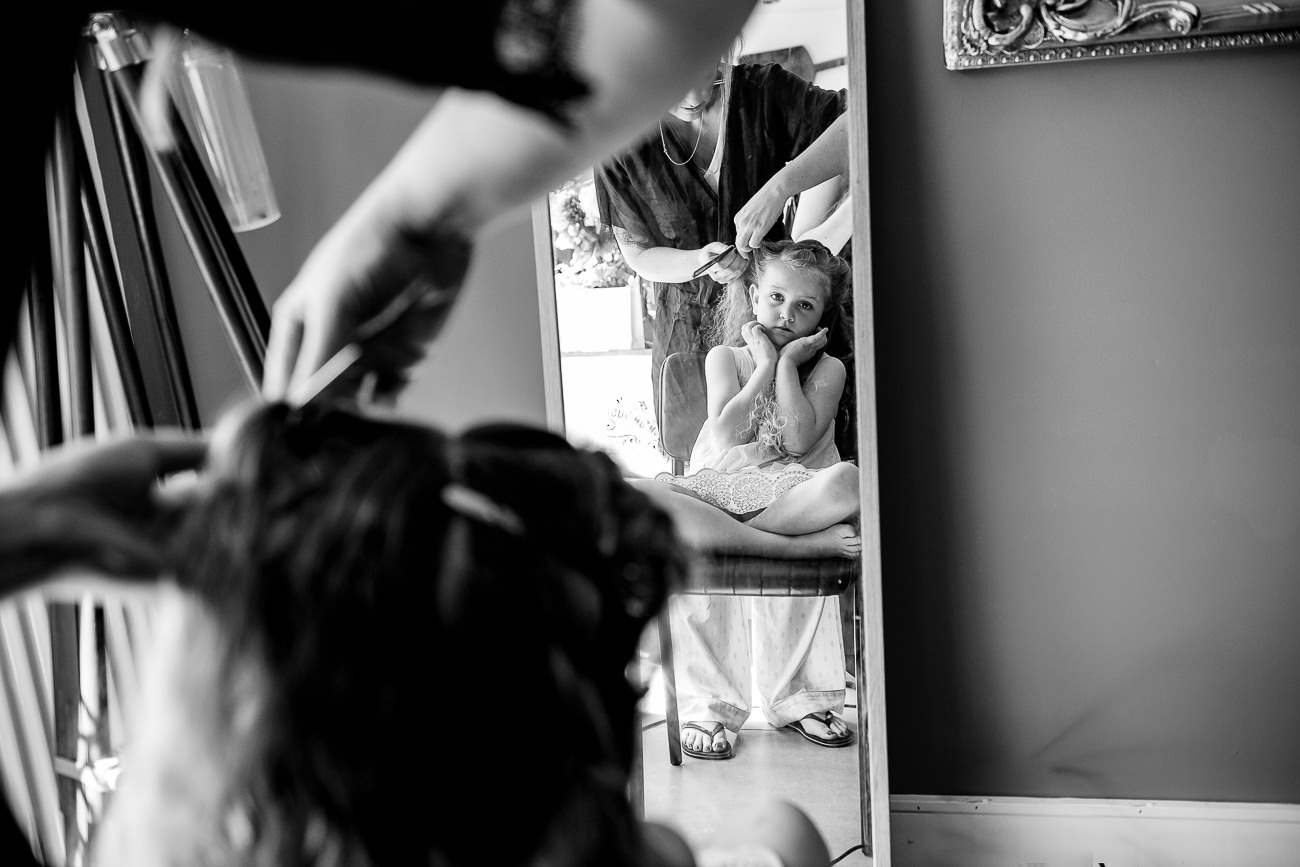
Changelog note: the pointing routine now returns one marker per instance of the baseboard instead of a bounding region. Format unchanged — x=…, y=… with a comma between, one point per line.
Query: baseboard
x=930, y=831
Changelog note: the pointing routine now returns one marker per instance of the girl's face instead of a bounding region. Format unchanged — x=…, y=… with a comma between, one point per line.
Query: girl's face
x=789, y=302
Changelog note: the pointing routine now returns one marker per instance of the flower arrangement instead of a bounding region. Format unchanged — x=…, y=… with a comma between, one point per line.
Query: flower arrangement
x=584, y=255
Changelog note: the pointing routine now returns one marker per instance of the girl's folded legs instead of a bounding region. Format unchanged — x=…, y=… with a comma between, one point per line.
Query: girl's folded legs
x=707, y=528
x=830, y=497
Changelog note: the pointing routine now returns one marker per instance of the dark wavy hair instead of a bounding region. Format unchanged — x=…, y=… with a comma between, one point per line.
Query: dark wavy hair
x=372, y=610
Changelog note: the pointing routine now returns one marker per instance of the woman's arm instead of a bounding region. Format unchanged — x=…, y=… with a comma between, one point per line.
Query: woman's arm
x=835, y=231
x=810, y=408
x=825, y=158
x=670, y=265
x=477, y=156
x=91, y=504
x=817, y=205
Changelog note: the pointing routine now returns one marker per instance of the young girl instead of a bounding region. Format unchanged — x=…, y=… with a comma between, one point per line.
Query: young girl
x=767, y=479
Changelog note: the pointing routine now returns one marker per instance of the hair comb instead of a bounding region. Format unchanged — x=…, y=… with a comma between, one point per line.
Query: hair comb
x=715, y=260
x=370, y=333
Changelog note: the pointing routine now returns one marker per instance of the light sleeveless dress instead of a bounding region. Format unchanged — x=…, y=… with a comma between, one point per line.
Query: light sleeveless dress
x=789, y=648
x=749, y=477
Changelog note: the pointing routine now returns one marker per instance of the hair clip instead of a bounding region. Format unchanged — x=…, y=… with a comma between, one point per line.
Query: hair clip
x=482, y=508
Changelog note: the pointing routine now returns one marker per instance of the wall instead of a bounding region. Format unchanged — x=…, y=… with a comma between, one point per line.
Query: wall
x=817, y=25
x=326, y=136
x=1087, y=312
x=1087, y=308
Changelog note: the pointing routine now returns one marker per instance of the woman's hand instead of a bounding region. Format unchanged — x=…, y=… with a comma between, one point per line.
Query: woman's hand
x=726, y=269
x=120, y=475
x=805, y=348
x=94, y=505
x=760, y=345
x=825, y=158
x=350, y=279
x=757, y=216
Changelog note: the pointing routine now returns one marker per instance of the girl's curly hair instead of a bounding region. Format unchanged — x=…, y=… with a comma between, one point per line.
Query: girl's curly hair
x=361, y=600
x=735, y=309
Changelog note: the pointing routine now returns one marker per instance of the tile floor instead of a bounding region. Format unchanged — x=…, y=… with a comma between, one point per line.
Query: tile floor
x=769, y=763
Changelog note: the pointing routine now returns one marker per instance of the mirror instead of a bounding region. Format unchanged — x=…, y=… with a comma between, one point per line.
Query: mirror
x=601, y=321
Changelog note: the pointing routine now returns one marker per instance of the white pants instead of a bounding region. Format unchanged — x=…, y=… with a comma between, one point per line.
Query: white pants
x=796, y=662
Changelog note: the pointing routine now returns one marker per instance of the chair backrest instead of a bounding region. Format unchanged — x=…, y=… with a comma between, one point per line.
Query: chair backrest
x=683, y=405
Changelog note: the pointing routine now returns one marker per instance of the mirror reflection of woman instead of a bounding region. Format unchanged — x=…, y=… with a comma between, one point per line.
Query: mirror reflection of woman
x=717, y=172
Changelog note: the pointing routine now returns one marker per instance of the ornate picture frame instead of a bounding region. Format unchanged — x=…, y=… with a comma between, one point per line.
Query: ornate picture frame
x=984, y=33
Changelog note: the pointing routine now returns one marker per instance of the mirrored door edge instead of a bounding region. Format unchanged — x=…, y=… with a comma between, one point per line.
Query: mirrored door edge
x=871, y=661
x=548, y=313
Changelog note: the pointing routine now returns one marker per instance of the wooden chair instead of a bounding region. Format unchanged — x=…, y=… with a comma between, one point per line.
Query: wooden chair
x=683, y=409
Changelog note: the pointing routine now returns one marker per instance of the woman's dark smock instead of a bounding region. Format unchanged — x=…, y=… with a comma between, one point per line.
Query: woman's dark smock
x=772, y=116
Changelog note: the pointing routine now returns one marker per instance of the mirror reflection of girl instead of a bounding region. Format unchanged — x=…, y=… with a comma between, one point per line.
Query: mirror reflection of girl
x=713, y=179
x=767, y=479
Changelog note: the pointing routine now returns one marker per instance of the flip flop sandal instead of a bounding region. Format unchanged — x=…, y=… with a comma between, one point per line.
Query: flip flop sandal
x=712, y=733
x=825, y=718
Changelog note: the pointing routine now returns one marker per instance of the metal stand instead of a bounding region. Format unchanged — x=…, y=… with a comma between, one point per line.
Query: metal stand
x=119, y=233
x=113, y=103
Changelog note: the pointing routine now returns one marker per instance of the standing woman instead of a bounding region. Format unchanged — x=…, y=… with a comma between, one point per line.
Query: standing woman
x=717, y=170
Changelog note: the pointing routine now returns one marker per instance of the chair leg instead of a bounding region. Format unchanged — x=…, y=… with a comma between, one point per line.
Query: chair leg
x=672, y=724
x=636, y=779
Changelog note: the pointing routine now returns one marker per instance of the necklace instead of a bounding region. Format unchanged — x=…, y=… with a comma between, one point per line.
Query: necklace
x=664, y=142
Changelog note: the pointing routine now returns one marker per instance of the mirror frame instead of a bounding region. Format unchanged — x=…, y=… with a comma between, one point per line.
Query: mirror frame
x=974, y=37
x=873, y=764
x=873, y=780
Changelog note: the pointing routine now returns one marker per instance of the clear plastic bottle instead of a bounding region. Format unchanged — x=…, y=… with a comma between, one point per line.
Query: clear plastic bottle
x=213, y=102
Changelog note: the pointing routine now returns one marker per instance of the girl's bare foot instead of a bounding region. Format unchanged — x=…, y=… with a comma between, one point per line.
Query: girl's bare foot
x=841, y=540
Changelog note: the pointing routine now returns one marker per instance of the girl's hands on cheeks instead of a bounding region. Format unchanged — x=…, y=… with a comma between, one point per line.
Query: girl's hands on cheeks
x=760, y=345
x=805, y=348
